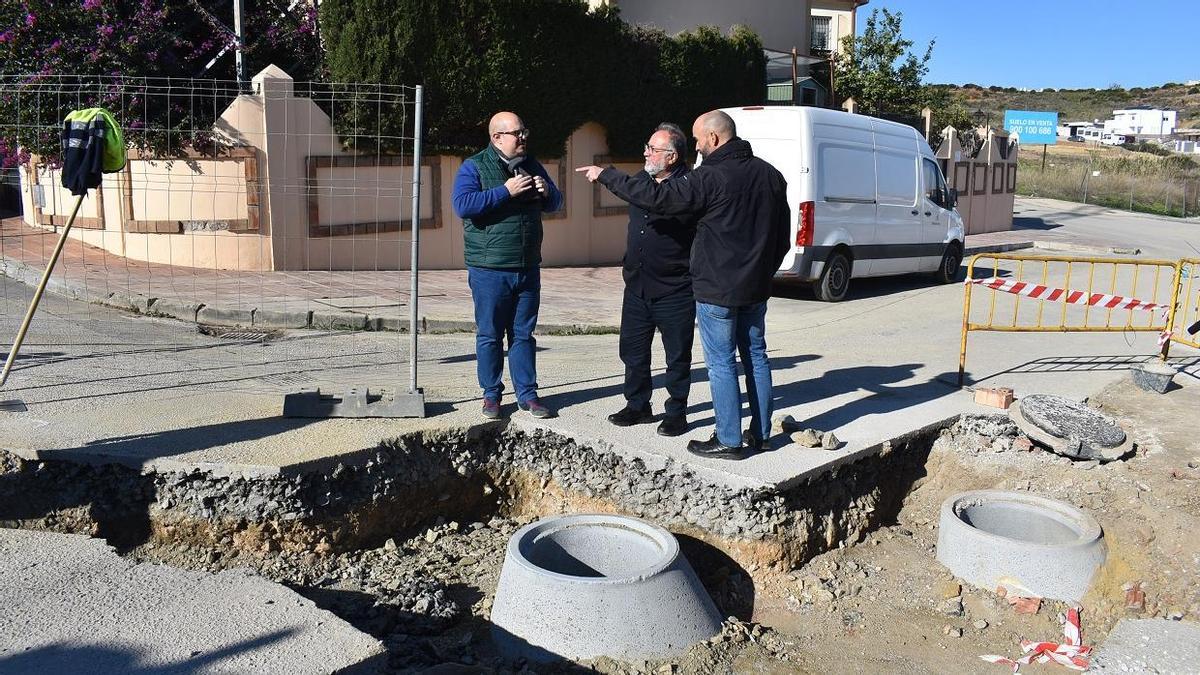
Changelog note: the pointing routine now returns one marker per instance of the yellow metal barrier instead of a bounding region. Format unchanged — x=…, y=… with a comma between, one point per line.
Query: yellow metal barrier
x=1088, y=294
x=1185, y=315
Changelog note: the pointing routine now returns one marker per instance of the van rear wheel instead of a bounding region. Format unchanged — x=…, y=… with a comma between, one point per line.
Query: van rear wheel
x=951, y=260
x=835, y=278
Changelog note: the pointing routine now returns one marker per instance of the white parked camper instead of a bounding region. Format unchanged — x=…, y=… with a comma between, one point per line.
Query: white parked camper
x=868, y=196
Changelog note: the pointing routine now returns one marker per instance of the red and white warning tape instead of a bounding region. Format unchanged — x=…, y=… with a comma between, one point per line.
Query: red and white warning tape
x=1040, y=292
x=1070, y=652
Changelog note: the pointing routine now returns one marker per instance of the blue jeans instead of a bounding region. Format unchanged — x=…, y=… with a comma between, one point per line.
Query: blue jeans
x=506, y=304
x=724, y=331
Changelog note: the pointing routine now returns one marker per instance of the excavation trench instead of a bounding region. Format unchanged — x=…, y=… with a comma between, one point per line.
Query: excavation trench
x=414, y=482
x=405, y=543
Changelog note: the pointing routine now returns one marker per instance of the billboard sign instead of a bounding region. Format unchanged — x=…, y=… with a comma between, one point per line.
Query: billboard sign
x=1032, y=126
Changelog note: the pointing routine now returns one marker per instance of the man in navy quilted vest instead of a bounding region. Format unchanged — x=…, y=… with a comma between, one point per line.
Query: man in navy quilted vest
x=501, y=193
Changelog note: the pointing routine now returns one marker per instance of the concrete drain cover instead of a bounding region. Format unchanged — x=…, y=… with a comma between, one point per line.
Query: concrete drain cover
x=591, y=585
x=1031, y=545
x=1069, y=428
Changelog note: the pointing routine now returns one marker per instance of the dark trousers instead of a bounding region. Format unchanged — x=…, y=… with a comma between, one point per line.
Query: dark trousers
x=674, y=317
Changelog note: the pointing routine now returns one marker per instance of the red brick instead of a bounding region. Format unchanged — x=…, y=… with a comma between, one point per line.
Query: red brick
x=996, y=397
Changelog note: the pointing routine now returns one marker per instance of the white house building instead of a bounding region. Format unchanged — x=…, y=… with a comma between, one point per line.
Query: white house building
x=797, y=34
x=1142, y=121
x=1069, y=129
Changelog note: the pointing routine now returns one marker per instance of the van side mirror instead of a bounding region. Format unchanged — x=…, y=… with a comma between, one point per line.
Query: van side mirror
x=951, y=197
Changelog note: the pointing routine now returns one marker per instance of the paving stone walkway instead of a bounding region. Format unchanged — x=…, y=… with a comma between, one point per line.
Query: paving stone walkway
x=573, y=298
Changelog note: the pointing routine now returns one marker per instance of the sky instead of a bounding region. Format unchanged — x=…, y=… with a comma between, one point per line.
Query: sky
x=1055, y=43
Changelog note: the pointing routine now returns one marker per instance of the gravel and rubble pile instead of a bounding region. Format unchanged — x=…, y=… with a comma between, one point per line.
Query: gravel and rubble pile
x=428, y=599
x=671, y=496
x=876, y=600
x=425, y=597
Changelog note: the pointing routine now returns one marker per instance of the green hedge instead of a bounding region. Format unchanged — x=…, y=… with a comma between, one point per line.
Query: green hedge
x=551, y=61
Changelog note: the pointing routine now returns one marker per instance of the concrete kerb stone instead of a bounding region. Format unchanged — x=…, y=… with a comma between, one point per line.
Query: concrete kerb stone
x=142, y=303
x=219, y=316
x=446, y=326
x=91, y=296
x=339, y=321
x=60, y=287
x=996, y=248
x=200, y=312
x=1085, y=248
x=121, y=301
x=400, y=324
x=577, y=329
x=269, y=318
x=183, y=310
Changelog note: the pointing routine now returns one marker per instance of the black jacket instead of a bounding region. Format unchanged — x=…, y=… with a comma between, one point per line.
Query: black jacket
x=658, y=248
x=744, y=226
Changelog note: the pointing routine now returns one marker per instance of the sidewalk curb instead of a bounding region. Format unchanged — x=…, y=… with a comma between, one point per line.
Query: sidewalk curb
x=998, y=248
x=1041, y=245
x=1085, y=248
x=200, y=313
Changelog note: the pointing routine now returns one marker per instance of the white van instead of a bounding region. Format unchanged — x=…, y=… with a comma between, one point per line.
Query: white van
x=868, y=196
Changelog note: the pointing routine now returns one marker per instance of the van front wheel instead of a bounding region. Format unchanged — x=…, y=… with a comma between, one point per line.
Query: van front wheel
x=951, y=261
x=835, y=278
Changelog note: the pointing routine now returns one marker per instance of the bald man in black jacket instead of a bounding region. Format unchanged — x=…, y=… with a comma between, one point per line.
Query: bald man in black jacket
x=741, y=238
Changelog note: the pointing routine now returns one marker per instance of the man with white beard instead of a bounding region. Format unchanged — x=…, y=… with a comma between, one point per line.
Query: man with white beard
x=742, y=234
x=658, y=294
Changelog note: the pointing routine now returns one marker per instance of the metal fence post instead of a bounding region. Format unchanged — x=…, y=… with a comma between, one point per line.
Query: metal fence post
x=416, y=240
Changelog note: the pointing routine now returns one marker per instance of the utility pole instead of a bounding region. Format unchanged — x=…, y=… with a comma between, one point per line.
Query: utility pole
x=795, y=74
x=241, y=41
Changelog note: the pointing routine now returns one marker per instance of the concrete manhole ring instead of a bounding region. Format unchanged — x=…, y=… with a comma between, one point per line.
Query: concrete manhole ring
x=1069, y=428
x=589, y=585
x=1031, y=545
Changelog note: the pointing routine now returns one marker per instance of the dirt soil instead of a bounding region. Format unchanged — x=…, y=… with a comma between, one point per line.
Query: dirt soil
x=889, y=606
x=881, y=605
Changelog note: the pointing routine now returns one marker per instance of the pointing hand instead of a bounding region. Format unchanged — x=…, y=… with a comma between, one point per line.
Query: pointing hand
x=591, y=172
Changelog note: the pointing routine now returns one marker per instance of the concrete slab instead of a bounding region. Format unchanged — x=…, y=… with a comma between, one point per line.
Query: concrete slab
x=339, y=321
x=177, y=309
x=268, y=318
x=375, y=304
x=73, y=605
x=221, y=316
x=1149, y=646
x=171, y=399
x=97, y=383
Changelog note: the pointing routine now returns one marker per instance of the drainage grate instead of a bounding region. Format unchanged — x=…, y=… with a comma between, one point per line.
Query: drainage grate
x=235, y=334
x=245, y=335
x=286, y=379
